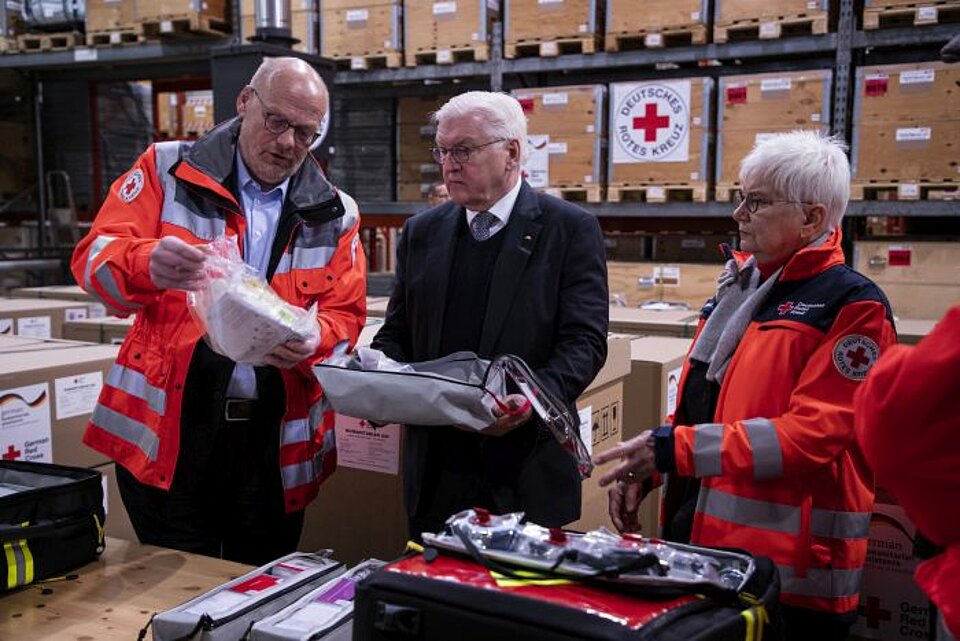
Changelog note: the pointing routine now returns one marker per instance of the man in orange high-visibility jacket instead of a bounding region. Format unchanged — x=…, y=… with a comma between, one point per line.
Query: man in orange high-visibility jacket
x=761, y=454
x=213, y=456
x=908, y=427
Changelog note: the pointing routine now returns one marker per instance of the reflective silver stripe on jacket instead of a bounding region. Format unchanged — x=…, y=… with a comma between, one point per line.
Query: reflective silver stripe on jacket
x=303, y=472
x=127, y=429
x=104, y=277
x=205, y=225
x=135, y=383
x=707, y=442
x=823, y=583
x=315, y=246
x=778, y=517
x=304, y=258
x=765, y=445
x=295, y=431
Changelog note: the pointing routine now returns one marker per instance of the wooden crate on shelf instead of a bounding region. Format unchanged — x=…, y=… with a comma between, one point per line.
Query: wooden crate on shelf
x=11, y=25
x=920, y=278
x=565, y=139
x=659, y=140
x=447, y=31
x=304, y=24
x=662, y=23
x=416, y=170
x=106, y=17
x=761, y=19
x=754, y=106
x=361, y=34
x=175, y=19
x=548, y=28
x=883, y=14
x=906, y=132
x=640, y=282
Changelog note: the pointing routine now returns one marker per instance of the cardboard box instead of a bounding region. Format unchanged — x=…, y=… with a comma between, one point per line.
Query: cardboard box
x=732, y=11
x=95, y=309
x=911, y=331
x=38, y=318
x=549, y=20
x=366, y=28
x=51, y=393
x=641, y=283
x=110, y=329
x=13, y=344
x=658, y=15
x=445, y=27
x=641, y=322
x=921, y=279
x=601, y=425
x=892, y=606
x=109, y=15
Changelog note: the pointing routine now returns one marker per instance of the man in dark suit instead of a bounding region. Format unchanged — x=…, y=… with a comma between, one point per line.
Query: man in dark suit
x=500, y=269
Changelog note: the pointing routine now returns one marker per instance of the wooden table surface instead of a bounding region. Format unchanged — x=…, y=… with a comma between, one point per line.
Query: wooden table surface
x=114, y=596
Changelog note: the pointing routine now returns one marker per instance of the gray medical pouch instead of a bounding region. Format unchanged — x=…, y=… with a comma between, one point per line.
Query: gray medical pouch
x=325, y=614
x=227, y=612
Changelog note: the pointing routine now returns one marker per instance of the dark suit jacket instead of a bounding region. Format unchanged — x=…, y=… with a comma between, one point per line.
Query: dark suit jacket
x=548, y=304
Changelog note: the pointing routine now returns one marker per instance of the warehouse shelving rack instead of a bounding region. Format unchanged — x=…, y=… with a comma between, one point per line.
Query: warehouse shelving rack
x=836, y=50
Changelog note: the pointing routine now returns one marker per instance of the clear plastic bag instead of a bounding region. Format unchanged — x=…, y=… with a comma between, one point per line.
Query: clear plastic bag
x=241, y=316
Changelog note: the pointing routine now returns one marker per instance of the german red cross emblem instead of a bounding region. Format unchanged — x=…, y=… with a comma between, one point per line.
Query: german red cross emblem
x=132, y=186
x=854, y=355
x=651, y=123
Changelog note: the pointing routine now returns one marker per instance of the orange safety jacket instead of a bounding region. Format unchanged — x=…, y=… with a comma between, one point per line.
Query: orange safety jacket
x=177, y=189
x=781, y=472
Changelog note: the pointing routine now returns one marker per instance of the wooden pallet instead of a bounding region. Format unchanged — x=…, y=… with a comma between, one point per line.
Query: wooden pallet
x=656, y=39
x=917, y=15
x=50, y=41
x=905, y=190
x=8, y=45
x=662, y=193
x=113, y=38
x=723, y=193
x=449, y=55
x=184, y=26
x=575, y=193
x=377, y=60
x=549, y=48
x=771, y=28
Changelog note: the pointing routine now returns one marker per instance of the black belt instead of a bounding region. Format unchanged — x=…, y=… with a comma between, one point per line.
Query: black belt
x=239, y=409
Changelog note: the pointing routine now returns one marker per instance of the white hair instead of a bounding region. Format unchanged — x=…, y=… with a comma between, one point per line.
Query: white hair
x=802, y=166
x=502, y=114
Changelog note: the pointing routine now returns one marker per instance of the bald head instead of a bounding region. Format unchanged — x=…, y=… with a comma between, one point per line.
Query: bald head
x=286, y=71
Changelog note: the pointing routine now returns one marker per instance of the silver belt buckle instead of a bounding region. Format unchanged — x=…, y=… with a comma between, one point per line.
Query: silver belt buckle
x=232, y=412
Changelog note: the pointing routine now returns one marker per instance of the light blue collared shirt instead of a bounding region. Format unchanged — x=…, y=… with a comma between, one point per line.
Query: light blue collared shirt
x=262, y=212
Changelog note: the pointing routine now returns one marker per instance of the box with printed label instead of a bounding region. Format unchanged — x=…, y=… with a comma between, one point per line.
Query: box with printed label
x=660, y=135
x=357, y=29
x=48, y=397
x=448, y=31
x=892, y=605
x=95, y=309
x=416, y=168
x=906, y=127
x=663, y=285
x=215, y=13
x=763, y=19
x=549, y=21
x=109, y=15
x=642, y=322
x=751, y=108
x=38, y=318
x=656, y=23
x=601, y=426
x=921, y=279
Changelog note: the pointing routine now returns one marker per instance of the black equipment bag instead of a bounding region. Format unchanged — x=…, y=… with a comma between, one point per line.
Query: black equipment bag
x=451, y=597
x=51, y=520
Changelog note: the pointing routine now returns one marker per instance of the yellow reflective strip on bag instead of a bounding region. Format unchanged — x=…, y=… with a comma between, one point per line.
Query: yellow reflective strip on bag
x=11, y=565
x=751, y=625
x=27, y=562
x=99, y=530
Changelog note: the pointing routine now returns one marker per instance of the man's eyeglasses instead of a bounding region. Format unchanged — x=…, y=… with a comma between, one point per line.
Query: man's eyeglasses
x=461, y=154
x=752, y=203
x=278, y=125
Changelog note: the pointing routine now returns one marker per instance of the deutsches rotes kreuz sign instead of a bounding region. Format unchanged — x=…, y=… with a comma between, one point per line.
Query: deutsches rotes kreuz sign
x=650, y=122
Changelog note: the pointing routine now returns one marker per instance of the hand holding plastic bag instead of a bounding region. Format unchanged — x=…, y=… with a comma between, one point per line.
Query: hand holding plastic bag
x=242, y=317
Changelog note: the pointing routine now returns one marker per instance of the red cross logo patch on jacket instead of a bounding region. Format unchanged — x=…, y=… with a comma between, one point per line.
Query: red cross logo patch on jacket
x=854, y=355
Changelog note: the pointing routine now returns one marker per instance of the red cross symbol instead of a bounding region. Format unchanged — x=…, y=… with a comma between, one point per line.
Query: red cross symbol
x=651, y=122
x=783, y=308
x=858, y=358
x=873, y=613
x=11, y=454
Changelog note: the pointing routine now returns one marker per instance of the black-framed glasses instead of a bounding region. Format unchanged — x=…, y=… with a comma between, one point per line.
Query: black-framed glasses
x=461, y=153
x=278, y=125
x=752, y=203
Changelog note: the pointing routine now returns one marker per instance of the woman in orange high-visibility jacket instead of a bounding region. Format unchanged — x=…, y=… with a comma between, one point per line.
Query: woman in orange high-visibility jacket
x=187, y=194
x=907, y=425
x=761, y=453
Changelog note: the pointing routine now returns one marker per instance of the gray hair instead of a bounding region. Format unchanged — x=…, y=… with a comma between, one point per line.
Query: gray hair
x=802, y=166
x=502, y=115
